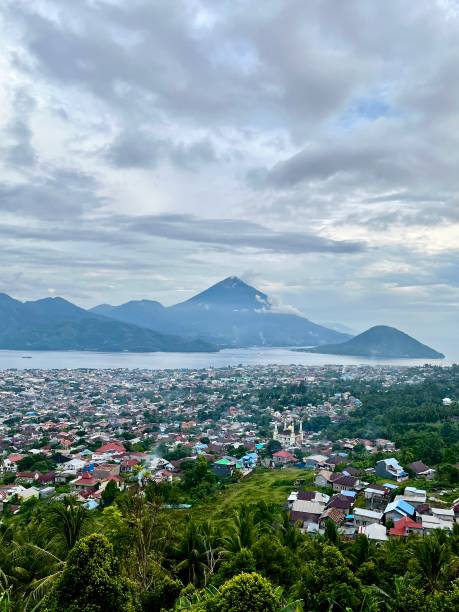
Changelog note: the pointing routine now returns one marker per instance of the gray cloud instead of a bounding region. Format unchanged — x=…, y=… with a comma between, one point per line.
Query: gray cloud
x=64, y=193
x=239, y=234
x=139, y=148
x=288, y=135
x=226, y=234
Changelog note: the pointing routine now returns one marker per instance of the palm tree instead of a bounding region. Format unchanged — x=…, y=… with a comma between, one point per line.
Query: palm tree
x=361, y=550
x=432, y=559
x=242, y=530
x=212, y=541
x=289, y=534
x=149, y=535
x=191, y=554
x=36, y=569
x=65, y=523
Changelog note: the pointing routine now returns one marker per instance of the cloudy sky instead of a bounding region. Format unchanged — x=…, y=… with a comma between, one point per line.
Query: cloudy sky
x=150, y=148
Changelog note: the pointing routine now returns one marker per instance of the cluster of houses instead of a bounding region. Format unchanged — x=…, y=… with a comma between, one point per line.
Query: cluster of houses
x=380, y=511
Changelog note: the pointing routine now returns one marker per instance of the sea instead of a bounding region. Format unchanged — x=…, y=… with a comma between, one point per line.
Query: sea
x=49, y=360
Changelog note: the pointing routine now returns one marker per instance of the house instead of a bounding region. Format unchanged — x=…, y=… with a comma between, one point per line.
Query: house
x=376, y=496
x=390, y=468
x=398, y=509
x=341, y=502
x=225, y=467
x=350, y=470
x=74, y=465
x=283, y=458
x=444, y=514
x=86, y=483
x=24, y=494
x=421, y=470
x=374, y=531
x=364, y=517
x=413, y=492
x=25, y=477
x=10, y=464
x=345, y=483
x=111, y=448
x=127, y=465
x=315, y=461
x=324, y=478
x=47, y=492
x=306, y=512
x=404, y=526
x=336, y=459
x=415, y=497
x=332, y=514
x=430, y=523
x=316, y=496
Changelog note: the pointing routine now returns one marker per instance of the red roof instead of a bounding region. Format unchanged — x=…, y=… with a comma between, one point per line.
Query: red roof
x=402, y=525
x=111, y=447
x=15, y=457
x=86, y=480
x=284, y=455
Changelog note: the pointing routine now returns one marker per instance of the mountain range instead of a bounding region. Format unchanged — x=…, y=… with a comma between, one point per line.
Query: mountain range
x=380, y=341
x=231, y=313
x=56, y=324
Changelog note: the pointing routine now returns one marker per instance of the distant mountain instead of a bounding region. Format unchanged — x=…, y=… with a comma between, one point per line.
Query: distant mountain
x=231, y=313
x=381, y=341
x=56, y=324
x=145, y=313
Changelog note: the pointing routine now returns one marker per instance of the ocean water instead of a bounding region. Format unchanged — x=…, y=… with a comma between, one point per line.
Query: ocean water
x=159, y=361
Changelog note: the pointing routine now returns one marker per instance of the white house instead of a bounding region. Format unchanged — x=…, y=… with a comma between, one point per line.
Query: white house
x=74, y=465
x=444, y=514
x=24, y=493
x=364, y=517
x=374, y=531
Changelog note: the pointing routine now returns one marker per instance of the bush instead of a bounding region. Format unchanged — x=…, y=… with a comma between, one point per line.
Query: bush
x=91, y=581
x=246, y=592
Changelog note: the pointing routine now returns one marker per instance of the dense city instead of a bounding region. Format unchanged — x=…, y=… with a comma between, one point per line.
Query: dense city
x=338, y=454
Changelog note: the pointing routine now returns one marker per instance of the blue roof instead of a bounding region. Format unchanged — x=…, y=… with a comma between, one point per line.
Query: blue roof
x=348, y=493
x=406, y=507
x=91, y=504
x=393, y=462
x=260, y=445
x=402, y=507
x=390, y=485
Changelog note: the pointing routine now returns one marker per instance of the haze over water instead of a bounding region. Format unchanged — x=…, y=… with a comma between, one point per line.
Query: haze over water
x=158, y=361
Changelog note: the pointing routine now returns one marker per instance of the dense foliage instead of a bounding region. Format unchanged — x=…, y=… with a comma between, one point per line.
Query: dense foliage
x=139, y=556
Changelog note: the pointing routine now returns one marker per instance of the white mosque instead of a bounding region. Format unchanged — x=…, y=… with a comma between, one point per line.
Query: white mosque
x=288, y=437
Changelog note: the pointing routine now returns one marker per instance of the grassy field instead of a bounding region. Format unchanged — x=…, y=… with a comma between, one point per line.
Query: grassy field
x=271, y=486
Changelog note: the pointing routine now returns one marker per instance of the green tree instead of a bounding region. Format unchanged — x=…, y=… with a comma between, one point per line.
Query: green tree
x=327, y=583
x=191, y=554
x=110, y=493
x=241, y=562
x=242, y=530
x=431, y=562
x=273, y=446
x=246, y=592
x=65, y=523
x=92, y=581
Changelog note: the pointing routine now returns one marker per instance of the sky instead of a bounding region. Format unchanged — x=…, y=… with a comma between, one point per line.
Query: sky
x=149, y=149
